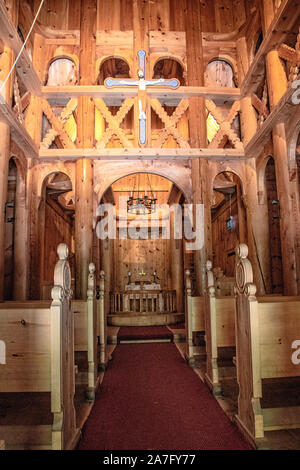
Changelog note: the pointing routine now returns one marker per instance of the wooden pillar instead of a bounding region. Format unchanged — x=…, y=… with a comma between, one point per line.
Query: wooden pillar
x=176, y=252
x=6, y=62
x=197, y=127
x=277, y=85
x=85, y=139
x=33, y=125
x=257, y=236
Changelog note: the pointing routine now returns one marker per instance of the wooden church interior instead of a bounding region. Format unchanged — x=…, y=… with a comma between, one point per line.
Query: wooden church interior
x=226, y=137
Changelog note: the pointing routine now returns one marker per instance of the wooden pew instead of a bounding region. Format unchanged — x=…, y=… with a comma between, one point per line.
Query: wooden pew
x=219, y=329
x=194, y=318
x=265, y=330
x=89, y=325
x=39, y=368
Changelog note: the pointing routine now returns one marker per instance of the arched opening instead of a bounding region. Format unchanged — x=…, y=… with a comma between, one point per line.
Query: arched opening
x=62, y=72
x=10, y=210
x=220, y=73
x=56, y=225
x=229, y=228
x=169, y=68
x=274, y=228
x=144, y=264
x=115, y=67
x=229, y=222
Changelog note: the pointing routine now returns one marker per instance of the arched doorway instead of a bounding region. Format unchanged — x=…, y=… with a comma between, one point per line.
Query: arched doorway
x=144, y=256
x=168, y=67
x=229, y=223
x=56, y=225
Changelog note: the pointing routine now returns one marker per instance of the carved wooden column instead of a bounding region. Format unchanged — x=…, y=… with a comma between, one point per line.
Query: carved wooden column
x=6, y=62
x=85, y=139
x=197, y=128
x=277, y=85
x=257, y=235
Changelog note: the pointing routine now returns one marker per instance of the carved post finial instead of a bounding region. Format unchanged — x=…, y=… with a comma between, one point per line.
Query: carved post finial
x=63, y=251
x=210, y=278
x=244, y=271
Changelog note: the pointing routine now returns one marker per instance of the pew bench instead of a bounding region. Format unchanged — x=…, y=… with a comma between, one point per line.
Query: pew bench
x=37, y=374
x=266, y=328
x=219, y=333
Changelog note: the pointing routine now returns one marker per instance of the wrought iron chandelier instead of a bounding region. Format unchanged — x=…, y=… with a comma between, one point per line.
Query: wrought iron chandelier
x=140, y=202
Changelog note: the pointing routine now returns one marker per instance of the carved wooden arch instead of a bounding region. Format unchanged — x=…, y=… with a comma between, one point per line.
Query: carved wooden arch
x=128, y=59
x=46, y=172
x=58, y=55
x=100, y=191
x=226, y=170
x=231, y=61
x=155, y=58
x=261, y=171
x=21, y=165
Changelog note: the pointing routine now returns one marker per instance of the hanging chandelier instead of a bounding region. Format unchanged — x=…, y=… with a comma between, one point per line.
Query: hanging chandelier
x=141, y=202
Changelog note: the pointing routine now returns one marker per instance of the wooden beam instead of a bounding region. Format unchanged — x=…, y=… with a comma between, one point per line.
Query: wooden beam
x=115, y=154
x=18, y=132
x=279, y=31
x=60, y=95
x=24, y=67
x=280, y=113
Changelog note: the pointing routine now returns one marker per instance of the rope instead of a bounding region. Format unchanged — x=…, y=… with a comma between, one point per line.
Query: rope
x=22, y=48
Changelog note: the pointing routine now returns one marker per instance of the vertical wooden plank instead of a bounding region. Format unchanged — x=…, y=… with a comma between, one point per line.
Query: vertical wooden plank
x=177, y=15
x=159, y=15
x=208, y=20
x=224, y=16
x=108, y=15
x=74, y=14
x=126, y=12
x=197, y=120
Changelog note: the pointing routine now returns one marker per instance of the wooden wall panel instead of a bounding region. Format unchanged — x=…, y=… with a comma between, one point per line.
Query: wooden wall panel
x=224, y=240
x=54, y=13
x=108, y=15
x=57, y=230
x=208, y=19
x=224, y=16
x=135, y=255
x=159, y=15
x=177, y=15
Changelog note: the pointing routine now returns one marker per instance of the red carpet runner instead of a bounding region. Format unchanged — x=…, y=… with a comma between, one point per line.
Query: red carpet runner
x=144, y=333
x=150, y=399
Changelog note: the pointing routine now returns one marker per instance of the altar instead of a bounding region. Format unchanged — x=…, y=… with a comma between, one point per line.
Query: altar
x=143, y=302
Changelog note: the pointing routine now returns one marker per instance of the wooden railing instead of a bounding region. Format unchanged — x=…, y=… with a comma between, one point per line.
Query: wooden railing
x=143, y=302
